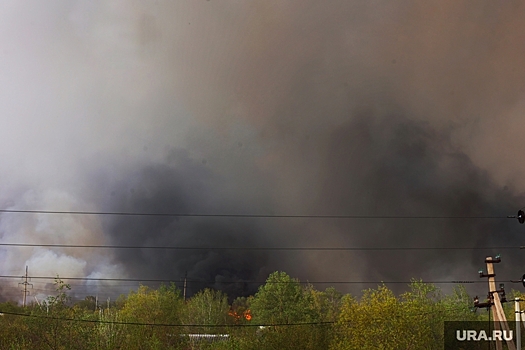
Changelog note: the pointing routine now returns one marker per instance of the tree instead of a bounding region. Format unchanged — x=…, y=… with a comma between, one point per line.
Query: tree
x=281, y=301
x=326, y=305
x=60, y=300
x=54, y=326
x=375, y=322
x=162, y=306
x=207, y=307
x=380, y=320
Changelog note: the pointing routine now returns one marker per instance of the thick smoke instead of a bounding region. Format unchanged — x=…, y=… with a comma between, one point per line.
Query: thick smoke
x=387, y=165
x=184, y=186
x=353, y=108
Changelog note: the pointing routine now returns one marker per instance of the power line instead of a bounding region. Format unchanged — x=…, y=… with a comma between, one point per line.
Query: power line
x=253, y=248
x=218, y=325
x=277, y=216
x=167, y=324
x=239, y=281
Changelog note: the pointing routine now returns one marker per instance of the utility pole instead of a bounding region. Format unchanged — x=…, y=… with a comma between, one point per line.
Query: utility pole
x=185, y=285
x=500, y=320
x=520, y=318
x=25, y=284
x=517, y=313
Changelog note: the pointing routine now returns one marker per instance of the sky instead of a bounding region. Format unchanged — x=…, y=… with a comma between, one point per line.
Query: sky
x=373, y=108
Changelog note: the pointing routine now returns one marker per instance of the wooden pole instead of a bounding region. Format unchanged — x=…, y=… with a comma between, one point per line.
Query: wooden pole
x=500, y=321
x=493, y=295
x=517, y=312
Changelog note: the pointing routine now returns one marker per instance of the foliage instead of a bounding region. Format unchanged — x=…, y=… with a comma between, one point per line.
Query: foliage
x=60, y=300
x=207, y=307
x=414, y=320
x=280, y=301
x=283, y=301
x=153, y=307
x=291, y=317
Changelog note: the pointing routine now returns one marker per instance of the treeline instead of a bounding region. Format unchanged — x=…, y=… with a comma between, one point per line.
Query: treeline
x=283, y=314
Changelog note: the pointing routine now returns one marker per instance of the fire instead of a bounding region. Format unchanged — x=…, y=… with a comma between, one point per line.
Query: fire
x=246, y=315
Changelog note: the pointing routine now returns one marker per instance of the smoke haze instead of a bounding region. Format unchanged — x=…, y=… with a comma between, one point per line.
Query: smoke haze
x=387, y=108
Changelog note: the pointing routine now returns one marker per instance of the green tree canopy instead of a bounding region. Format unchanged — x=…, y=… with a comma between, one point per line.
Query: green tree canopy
x=280, y=300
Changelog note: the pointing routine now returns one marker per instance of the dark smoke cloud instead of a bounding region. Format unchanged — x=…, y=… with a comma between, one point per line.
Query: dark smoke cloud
x=183, y=185
x=377, y=163
x=390, y=165
x=352, y=107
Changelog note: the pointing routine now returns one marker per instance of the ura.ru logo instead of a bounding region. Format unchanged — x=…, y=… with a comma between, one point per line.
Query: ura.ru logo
x=473, y=335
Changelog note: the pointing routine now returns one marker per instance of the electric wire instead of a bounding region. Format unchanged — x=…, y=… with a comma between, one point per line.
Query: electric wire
x=234, y=282
x=218, y=325
x=277, y=216
x=164, y=324
x=35, y=245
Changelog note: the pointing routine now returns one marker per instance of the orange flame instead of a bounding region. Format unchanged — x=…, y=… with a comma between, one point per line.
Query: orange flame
x=247, y=315
x=233, y=314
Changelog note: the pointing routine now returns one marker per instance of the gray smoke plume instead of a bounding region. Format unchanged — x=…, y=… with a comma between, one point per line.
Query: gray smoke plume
x=378, y=108
x=183, y=186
